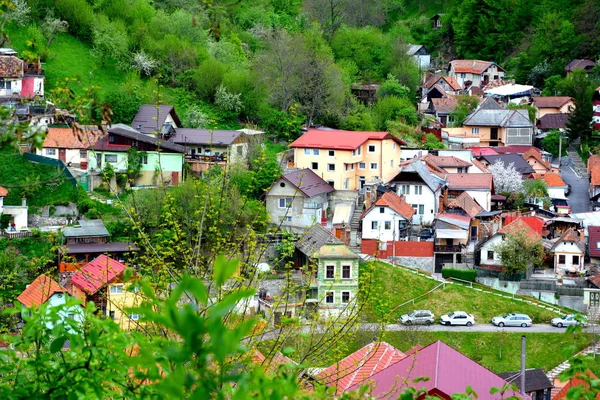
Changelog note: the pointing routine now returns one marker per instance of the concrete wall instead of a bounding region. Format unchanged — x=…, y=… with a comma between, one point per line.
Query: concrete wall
x=422, y=263
x=428, y=199
x=380, y=232
x=495, y=283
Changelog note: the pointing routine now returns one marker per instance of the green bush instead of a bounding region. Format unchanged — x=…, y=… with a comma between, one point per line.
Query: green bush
x=79, y=14
x=465, y=275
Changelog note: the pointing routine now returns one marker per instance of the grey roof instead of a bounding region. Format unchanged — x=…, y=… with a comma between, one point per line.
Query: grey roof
x=535, y=379
x=519, y=163
x=490, y=104
x=309, y=183
x=109, y=247
x=185, y=136
x=91, y=227
x=315, y=238
x=149, y=118
x=553, y=121
x=499, y=117
x=129, y=132
x=413, y=48
x=432, y=181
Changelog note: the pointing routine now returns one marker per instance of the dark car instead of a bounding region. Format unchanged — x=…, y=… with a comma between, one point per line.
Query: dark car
x=426, y=234
x=568, y=191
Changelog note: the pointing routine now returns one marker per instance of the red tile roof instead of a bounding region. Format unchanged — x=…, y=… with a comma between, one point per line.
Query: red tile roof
x=466, y=203
x=471, y=66
x=593, y=161
x=575, y=381
x=446, y=161
x=98, y=273
x=483, y=151
x=479, y=165
x=595, y=176
x=360, y=365
x=456, y=217
x=469, y=181
x=550, y=101
x=11, y=67
x=448, y=372
x=395, y=202
x=434, y=79
x=515, y=149
x=535, y=223
x=533, y=153
x=553, y=121
x=39, y=291
x=520, y=225
x=593, y=240
x=444, y=104
x=341, y=140
x=66, y=138
x=552, y=179
x=3, y=192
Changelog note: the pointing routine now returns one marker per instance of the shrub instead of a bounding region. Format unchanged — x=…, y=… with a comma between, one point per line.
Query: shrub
x=465, y=275
x=79, y=14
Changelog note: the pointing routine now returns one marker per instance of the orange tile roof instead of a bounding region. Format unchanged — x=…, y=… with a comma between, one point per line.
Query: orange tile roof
x=550, y=101
x=533, y=153
x=575, y=381
x=469, y=181
x=466, y=203
x=39, y=291
x=3, y=192
x=396, y=203
x=271, y=366
x=595, y=176
x=471, y=66
x=65, y=138
x=360, y=365
x=479, y=165
x=593, y=161
x=446, y=161
x=520, y=225
x=552, y=179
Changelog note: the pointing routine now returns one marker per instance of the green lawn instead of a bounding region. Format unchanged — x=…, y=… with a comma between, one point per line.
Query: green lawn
x=393, y=286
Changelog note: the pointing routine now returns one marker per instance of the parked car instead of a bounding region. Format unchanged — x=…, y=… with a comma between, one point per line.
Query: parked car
x=568, y=320
x=421, y=317
x=457, y=318
x=426, y=234
x=512, y=319
x=568, y=191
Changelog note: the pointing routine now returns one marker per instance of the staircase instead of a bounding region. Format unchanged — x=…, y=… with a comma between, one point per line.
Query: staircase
x=355, y=223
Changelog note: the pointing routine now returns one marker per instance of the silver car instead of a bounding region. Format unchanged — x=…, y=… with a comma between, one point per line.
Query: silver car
x=421, y=317
x=522, y=320
x=568, y=320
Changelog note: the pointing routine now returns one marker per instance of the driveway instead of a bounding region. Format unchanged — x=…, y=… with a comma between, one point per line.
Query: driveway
x=578, y=199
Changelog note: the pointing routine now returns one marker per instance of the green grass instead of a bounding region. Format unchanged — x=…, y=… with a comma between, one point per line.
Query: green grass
x=393, y=286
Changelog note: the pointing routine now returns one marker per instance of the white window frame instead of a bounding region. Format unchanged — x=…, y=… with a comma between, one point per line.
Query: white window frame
x=331, y=153
x=111, y=155
x=418, y=189
x=387, y=225
x=327, y=293
x=316, y=152
x=307, y=152
x=134, y=317
x=116, y=289
x=327, y=271
x=403, y=191
x=373, y=166
x=287, y=202
x=374, y=225
x=421, y=209
x=83, y=154
x=474, y=131
x=331, y=167
x=50, y=152
x=362, y=165
x=347, y=292
x=312, y=165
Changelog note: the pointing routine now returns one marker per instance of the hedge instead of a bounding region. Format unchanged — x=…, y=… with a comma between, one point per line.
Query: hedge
x=464, y=274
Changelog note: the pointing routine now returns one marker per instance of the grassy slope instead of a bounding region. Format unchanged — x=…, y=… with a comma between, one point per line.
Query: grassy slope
x=393, y=286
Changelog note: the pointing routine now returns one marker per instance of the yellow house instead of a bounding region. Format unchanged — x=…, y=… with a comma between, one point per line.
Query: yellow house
x=348, y=159
x=121, y=297
x=500, y=127
x=553, y=105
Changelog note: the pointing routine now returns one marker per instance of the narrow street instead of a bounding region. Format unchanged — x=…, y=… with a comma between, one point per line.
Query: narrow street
x=577, y=178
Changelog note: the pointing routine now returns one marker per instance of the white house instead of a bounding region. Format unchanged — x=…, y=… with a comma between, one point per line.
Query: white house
x=568, y=253
x=421, y=189
x=18, y=219
x=68, y=146
x=420, y=54
x=489, y=257
x=388, y=219
x=474, y=72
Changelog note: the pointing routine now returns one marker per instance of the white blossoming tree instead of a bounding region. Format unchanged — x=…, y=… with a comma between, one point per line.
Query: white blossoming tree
x=506, y=178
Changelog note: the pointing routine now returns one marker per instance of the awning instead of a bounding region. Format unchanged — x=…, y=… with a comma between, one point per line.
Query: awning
x=450, y=234
x=509, y=90
x=342, y=214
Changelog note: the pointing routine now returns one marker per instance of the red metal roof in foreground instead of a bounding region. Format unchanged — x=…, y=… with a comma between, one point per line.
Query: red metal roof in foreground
x=99, y=272
x=341, y=140
x=360, y=365
x=448, y=371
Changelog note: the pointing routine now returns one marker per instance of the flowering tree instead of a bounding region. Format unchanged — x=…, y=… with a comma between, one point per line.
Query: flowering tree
x=506, y=178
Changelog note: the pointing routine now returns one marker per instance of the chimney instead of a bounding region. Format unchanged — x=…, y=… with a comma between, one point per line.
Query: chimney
x=523, y=346
x=582, y=235
x=24, y=202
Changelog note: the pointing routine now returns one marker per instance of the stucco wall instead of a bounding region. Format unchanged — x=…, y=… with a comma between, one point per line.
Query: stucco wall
x=422, y=263
x=380, y=232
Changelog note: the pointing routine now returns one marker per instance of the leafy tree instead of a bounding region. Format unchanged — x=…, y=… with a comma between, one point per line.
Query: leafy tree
x=518, y=252
x=432, y=142
x=465, y=105
x=124, y=103
x=535, y=188
x=143, y=63
x=367, y=47
x=78, y=14
x=579, y=124
x=206, y=79
x=109, y=40
x=552, y=141
x=393, y=108
x=506, y=178
x=392, y=87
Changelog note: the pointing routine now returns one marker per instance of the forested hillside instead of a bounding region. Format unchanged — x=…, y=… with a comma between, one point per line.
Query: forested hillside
x=281, y=63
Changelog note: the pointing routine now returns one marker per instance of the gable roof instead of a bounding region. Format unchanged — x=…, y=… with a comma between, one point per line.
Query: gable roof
x=573, y=382
x=532, y=153
x=469, y=181
x=444, y=105
x=64, y=138
x=307, y=182
x=551, y=101
x=479, y=165
x=593, y=161
x=39, y=291
x=446, y=161
x=593, y=240
x=413, y=48
x=396, y=203
x=579, y=64
x=476, y=67
x=535, y=379
x=518, y=162
x=553, y=121
x=482, y=151
x=11, y=67
x=535, y=223
x=360, y=365
x=185, y=136
x=96, y=274
x=570, y=236
x=129, y=132
x=466, y=203
x=338, y=139
x=520, y=225
x=499, y=117
x=448, y=371
x=552, y=179
x=315, y=237
x=150, y=118
x=3, y=192
x=490, y=104
x=417, y=166
x=433, y=79
x=459, y=221
x=87, y=227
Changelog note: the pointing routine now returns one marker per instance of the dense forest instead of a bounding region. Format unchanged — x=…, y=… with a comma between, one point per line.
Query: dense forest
x=281, y=63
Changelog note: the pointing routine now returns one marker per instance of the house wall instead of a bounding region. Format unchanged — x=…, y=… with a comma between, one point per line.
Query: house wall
x=16, y=85
x=422, y=60
x=32, y=86
x=428, y=199
x=489, y=246
x=465, y=155
x=380, y=233
x=557, y=192
x=59, y=299
x=71, y=155
x=568, y=107
x=483, y=197
x=492, y=73
x=568, y=249
x=337, y=255
x=303, y=212
x=117, y=304
x=18, y=214
x=538, y=167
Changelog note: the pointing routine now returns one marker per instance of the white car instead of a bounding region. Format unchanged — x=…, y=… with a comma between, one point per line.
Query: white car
x=457, y=318
x=568, y=320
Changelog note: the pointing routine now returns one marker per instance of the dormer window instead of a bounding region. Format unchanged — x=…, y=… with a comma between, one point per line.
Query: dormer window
x=111, y=138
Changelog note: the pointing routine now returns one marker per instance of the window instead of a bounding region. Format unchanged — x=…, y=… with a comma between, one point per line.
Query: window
x=418, y=189
x=307, y=152
x=285, y=202
x=70, y=315
x=394, y=146
x=361, y=165
x=145, y=160
x=575, y=260
x=475, y=131
x=315, y=152
x=116, y=289
x=111, y=314
x=111, y=138
x=134, y=317
x=459, y=170
x=50, y=152
x=416, y=208
x=356, y=152
x=330, y=167
x=561, y=259
x=4, y=84
x=83, y=154
x=404, y=189
x=373, y=165
x=371, y=148
x=345, y=297
x=111, y=158
x=330, y=271
x=346, y=271
x=598, y=245
x=329, y=297
x=286, y=218
x=381, y=210
x=421, y=209
x=314, y=165
x=490, y=255
x=331, y=153
x=387, y=225
x=373, y=224
x=347, y=183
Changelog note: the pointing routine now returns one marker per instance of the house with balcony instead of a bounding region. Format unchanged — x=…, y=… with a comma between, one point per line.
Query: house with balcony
x=451, y=238
x=298, y=199
x=161, y=161
x=347, y=160
x=500, y=127
x=420, y=188
x=388, y=219
x=568, y=254
x=474, y=72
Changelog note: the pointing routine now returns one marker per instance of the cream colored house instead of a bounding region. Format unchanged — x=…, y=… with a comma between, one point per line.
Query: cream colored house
x=474, y=72
x=568, y=254
x=498, y=127
x=553, y=105
x=347, y=159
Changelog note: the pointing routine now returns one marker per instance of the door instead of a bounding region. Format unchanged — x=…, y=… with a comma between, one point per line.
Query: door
x=175, y=178
x=494, y=134
x=473, y=233
x=62, y=155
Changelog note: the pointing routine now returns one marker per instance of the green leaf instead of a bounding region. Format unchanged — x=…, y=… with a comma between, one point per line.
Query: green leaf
x=224, y=269
x=57, y=344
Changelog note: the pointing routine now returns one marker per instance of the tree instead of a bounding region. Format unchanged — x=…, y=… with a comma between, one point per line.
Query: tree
x=109, y=40
x=393, y=108
x=464, y=106
x=552, y=141
x=579, y=124
x=432, y=142
x=392, y=87
x=506, y=178
x=143, y=63
x=518, y=252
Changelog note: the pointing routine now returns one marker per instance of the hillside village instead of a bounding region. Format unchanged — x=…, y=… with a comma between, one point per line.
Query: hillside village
x=329, y=243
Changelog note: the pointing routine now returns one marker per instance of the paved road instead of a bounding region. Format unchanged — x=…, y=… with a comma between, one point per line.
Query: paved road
x=578, y=199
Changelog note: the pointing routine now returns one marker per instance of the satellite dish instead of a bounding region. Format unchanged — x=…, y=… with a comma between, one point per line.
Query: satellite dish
x=263, y=267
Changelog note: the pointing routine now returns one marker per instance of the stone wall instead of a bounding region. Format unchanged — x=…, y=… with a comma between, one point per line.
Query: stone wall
x=422, y=263
x=495, y=283
x=37, y=221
